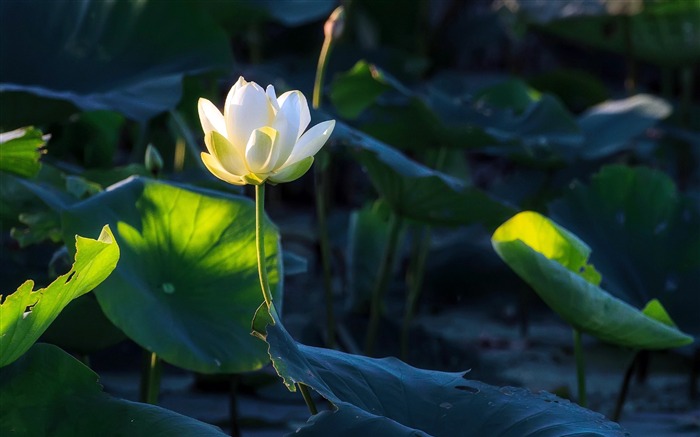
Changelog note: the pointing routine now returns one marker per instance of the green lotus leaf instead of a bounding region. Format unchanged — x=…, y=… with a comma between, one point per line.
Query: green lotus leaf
x=388, y=397
x=417, y=192
x=555, y=264
x=645, y=237
x=128, y=57
x=357, y=89
x=48, y=392
x=25, y=314
x=20, y=151
x=610, y=126
x=665, y=33
x=187, y=285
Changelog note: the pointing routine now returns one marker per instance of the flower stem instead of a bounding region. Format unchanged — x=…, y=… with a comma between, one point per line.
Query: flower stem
x=382, y=283
x=307, y=398
x=580, y=368
x=260, y=243
x=419, y=254
x=322, y=182
x=150, y=378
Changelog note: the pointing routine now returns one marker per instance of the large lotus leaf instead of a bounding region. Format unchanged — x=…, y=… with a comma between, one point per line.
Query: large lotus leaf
x=645, y=236
x=662, y=32
x=48, y=392
x=418, y=192
x=25, y=314
x=554, y=263
x=513, y=118
x=128, y=57
x=611, y=125
x=388, y=397
x=187, y=284
x=20, y=151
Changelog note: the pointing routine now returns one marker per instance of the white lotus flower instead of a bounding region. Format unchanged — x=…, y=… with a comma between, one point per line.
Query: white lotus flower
x=260, y=137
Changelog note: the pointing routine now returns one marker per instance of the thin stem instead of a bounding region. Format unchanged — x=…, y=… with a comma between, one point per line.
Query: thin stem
x=260, y=243
x=150, y=378
x=580, y=368
x=419, y=255
x=321, y=71
x=322, y=182
x=307, y=398
x=622, y=395
x=382, y=283
x=321, y=177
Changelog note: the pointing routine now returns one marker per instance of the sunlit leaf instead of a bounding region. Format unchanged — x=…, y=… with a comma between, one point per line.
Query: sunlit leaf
x=554, y=263
x=645, y=237
x=187, y=284
x=48, y=392
x=388, y=397
x=25, y=314
x=20, y=151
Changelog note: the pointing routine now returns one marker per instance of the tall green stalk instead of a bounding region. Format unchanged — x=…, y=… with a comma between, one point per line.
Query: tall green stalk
x=385, y=270
x=419, y=254
x=262, y=271
x=150, y=378
x=260, y=243
x=580, y=368
x=332, y=30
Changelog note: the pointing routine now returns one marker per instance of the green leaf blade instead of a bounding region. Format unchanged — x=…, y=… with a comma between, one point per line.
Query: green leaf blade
x=569, y=293
x=25, y=314
x=187, y=286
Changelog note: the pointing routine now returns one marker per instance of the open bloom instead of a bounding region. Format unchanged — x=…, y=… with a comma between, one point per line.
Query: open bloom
x=260, y=137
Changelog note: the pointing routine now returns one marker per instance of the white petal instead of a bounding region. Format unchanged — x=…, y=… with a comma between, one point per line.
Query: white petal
x=301, y=106
x=247, y=110
x=215, y=168
x=258, y=152
x=292, y=172
x=270, y=91
x=286, y=136
x=228, y=156
x=210, y=117
x=311, y=142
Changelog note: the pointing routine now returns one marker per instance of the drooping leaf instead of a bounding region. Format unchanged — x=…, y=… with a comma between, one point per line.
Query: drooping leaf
x=645, y=237
x=187, y=284
x=48, y=392
x=25, y=314
x=417, y=192
x=554, y=263
x=611, y=125
x=20, y=151
x=388, y=397
x=129, y=57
